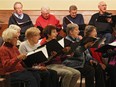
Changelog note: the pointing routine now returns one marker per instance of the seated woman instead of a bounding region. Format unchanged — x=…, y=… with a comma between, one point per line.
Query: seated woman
x=11, y=61
x=90, y=31
x=82, y=59
x=69, y=75
x=32, y=42
x=14, y=27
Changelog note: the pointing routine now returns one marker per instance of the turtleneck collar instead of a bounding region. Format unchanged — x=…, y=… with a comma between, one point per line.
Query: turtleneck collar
x=8, y=44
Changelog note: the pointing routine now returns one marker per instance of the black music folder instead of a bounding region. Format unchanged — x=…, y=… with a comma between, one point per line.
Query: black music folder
x=106, y=47
x=86, y=40
x=67, y=43
x=53, y=45
x=37, y=56
x=103, y=18
x=99, y=42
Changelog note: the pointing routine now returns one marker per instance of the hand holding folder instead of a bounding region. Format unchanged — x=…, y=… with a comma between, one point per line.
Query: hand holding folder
x=103, y=18
x=106, y=47
x=36, y=56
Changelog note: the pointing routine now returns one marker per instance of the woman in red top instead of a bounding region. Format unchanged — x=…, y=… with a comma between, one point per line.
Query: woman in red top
x=11, y=61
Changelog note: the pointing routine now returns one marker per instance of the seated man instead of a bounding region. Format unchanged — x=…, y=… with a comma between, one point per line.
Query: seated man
x=46, y=18
x=104, y=29
x=73, y=17
x=21, y=19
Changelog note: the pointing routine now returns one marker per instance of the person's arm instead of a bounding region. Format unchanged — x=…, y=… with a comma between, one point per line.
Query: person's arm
x=64, y=24
x=92, y=20
x=22, y=48
x=11, y=20
x=7, y=61
x=82, y=19
x=37, y=23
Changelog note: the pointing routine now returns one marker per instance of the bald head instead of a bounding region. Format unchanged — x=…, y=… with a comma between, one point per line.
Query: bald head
x=102, y=7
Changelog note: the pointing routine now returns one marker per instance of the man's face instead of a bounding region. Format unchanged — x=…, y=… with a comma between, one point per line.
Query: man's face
x=18, y=9
x=45, y=14
x=102, y=7
x=73, y=13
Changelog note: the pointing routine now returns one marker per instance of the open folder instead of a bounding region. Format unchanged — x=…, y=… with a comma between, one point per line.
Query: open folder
x=106, y=47
x=36, y=56
x=103, y=18
x=67, y=43
x=53, y=45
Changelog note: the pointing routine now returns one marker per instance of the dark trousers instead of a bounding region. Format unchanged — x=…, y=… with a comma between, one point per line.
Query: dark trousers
x=27, y=76
x=112, y=73
x=90, y=72
x=54, y=78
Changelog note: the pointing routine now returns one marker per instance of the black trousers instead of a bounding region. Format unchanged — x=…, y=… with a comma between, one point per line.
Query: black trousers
x=90, y=72
x=27, y=76
x=112, y=73
x=54, y=78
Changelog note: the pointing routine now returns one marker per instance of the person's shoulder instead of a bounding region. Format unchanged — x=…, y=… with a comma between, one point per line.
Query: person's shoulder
x=24, y=43
x=79, y=14
x=95, y=14
x=52, y=16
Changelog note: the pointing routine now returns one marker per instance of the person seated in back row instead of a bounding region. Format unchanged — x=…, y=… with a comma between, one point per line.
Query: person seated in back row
x=21, y=19
x=47, y=19
x=73, y=17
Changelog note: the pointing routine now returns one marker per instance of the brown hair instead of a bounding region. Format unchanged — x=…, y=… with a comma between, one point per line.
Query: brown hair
x=72, y=7
x=32, y=32
x=88, y=30
x=48, y=29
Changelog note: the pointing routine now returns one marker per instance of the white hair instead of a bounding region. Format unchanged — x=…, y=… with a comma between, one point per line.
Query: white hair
x=45, y=9
x=8, y=34
x=14, y=27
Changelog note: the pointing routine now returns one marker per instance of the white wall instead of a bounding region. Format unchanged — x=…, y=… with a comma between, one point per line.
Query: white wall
x=57, y=4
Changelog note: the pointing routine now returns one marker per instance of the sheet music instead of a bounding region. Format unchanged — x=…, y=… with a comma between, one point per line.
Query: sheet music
x=43, y=49
x=61, y=42
x=113, y=43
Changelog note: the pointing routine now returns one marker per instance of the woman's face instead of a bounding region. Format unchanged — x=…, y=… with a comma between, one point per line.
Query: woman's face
x=93, y=33
x=13, y=41
x=75, y=32
x=35, y=38
x=53, y=34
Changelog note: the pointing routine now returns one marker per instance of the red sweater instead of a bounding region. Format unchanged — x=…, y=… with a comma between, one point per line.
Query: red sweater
x=96, y=55
x=8, y=59
x=44, y=22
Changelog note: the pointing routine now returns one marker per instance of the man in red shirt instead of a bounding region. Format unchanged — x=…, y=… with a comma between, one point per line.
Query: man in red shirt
x=46, y=19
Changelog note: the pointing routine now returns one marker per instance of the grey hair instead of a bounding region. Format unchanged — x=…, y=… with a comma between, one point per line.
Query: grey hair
x=14, y=27
x=17, y=3
x=71, y=27
x=45, y=8
x=72, y=7
x=8, y=34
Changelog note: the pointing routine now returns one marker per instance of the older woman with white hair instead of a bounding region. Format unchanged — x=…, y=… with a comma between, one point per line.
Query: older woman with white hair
x=17, y=28
x=10, y=60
